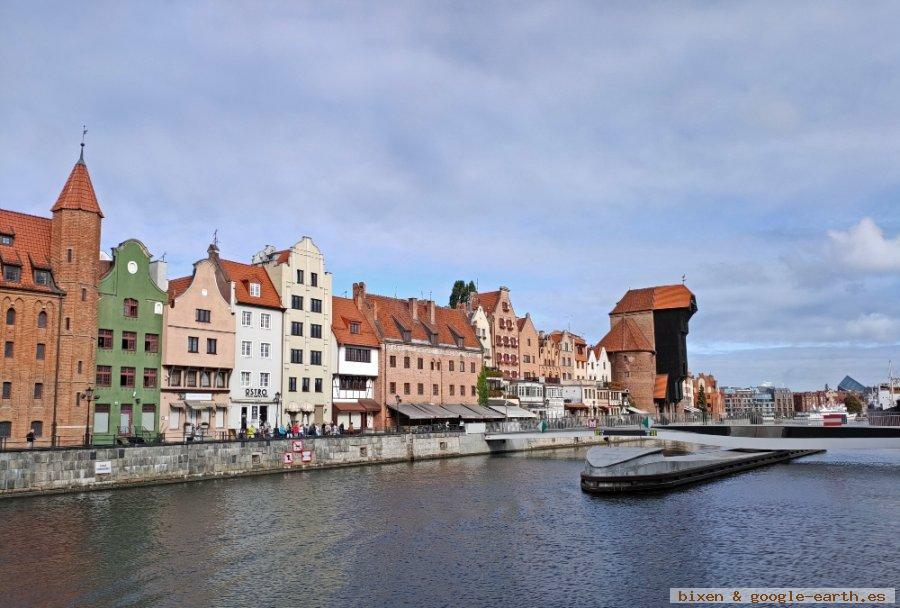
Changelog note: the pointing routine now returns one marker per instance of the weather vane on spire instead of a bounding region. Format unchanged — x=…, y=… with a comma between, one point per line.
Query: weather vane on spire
x=216, y=237
x=683, y=278
x=83, y=133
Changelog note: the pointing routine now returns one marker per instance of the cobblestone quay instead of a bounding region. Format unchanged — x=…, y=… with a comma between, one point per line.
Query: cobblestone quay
x=24, y=473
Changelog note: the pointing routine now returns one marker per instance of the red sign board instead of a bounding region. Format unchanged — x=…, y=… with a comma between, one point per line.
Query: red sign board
x=297, y=445
x=306, y=456
x=287, y=459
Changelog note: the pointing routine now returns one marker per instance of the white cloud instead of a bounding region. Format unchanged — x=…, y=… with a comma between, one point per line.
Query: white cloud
x=864, y=247
x=874, y=327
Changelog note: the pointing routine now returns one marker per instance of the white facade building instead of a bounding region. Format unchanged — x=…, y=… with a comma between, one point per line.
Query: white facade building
x=355, y=352
x=598, y=366
x=482, y=326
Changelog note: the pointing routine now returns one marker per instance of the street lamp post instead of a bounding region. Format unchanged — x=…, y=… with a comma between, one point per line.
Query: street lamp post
x=399, y=401
x=87, y=395
x=278, y=408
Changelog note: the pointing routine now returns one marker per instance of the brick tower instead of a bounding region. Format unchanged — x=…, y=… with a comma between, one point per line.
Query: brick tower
x=75, y=258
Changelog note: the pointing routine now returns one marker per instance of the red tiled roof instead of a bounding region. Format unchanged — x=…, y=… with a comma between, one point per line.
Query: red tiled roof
x=78, y=193
x=283, y=256
x=343, y=311
x=660, y=386
x=30, y=248
x=625, y=336
x=243, y=275
x=488, y=300
x=520, y=323
x=393, y=311
x=654, y=298
x=179, y=286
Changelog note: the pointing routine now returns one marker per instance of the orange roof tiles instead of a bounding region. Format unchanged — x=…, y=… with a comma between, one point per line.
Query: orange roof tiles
x=654, y=298
x=394, y=313
x=243, y=275
x=625, y=336
x=78, y=193
x=343, y=312
x=520, y=322
x=179, y=286
x=660, y=386
x=488, y=300
x=30, y=248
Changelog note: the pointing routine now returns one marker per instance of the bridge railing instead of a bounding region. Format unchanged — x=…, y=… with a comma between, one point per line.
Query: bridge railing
x=884, y=419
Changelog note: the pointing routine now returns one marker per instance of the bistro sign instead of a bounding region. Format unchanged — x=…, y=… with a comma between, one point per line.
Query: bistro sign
x=256, y=392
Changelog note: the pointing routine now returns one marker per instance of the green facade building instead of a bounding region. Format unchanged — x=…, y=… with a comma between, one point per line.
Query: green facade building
x=129, y=347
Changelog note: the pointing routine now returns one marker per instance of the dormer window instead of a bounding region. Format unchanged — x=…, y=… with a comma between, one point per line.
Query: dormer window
x=254, y=290
x=12, y=273
x=354, y=327
x=42, y=277
x=6, y=239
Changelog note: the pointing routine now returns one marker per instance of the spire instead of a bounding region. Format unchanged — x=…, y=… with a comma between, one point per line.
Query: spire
x=78, y=193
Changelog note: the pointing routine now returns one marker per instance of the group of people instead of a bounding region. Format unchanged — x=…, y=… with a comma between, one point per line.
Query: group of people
x=295, y=429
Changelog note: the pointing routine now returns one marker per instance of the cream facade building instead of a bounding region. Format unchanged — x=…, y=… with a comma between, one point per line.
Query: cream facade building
x=305, y=288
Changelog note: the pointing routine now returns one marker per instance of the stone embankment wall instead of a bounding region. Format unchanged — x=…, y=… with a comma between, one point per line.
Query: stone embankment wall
x=26, y=473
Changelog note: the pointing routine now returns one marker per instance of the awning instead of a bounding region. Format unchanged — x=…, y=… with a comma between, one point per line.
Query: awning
x=370, y=404
x=634, y=410
x=463, y=412
x=691, y=408
x=512, y=411
x=292, y=408
x=411, y=411
x=486, y=413
x=348, y=406
x=307, y=408
x=575, y=406
x=201, y=405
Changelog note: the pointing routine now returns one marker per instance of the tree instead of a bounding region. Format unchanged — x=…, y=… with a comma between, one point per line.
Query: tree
x=482, y=387
x=701, y=399
x=461, y=292
x=853, y=404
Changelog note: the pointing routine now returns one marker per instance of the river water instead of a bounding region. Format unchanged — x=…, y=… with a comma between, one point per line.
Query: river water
x=481, y=531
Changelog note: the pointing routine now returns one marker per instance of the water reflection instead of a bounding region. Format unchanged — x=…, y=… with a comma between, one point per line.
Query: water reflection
x=475, y=531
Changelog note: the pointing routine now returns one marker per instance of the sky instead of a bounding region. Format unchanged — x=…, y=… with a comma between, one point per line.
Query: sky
x=567, y=150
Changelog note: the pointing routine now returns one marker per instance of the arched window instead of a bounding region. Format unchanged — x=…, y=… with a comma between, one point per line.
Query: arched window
x=42, y=319
x=11, y=316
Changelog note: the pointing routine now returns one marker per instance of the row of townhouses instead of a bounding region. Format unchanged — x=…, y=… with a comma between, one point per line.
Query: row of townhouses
x=99, y=346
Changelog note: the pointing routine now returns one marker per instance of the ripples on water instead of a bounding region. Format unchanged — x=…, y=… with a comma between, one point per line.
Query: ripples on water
x=480, y=531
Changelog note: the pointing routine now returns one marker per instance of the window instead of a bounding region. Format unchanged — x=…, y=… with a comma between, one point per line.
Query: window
x=38, y=427
x=8, y=350
x=6, y=239
x=67, y=324
x=193, y=344
x=451, y=390
x=420, y=389
x=314, y=279
x=296, y=328
x=203, y=315
x=246, y=318
x=245, y=379
x=405, y=362
x=353, y=383
x=42, y=319
x=5, y=429
x=315, y=330
x=406, y=388
x=11, y=316
x=292, y=384
x=297, y=302
x=392, y=388
x=246, y=348
x=7, y=390
x=205, y=379
x=359, y=355
x=104, y=375
x=316, y=305
x=130, y=307
x=254, y=290
x=450, y=366
x=305, y=385
x=221, y=379
x=318, y=385
x=300, y=277
x=472, y=367
x=38, y=390
x=474, y=390
x=354, y=327
x=211, y=344
x=129, y=340
x=265, y=320
x=149, y=377
x=315, y=357
x=70, y=255
x=175, y=377
x=296, y=355
x=79, y=367
x=42, y=277
x=148, y=416
x=462, y=390
x=435, y=389
x=420, y=363
x=264, y=379
x=392, y=360
x=264, y=349
x=41, y=351
x=11, y=274
x=151, y=343
x=84, y=296
x=126, y=377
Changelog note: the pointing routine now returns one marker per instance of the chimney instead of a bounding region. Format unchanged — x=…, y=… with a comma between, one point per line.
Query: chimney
x=158, y=271
x=414, y=307
x=431, y=311
x=213, y=252
x=359, y=294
